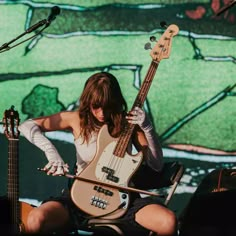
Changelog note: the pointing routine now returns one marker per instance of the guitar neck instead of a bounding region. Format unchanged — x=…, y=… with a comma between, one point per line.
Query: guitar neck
x=123, y=141
x=13, y=179
x=139, y=101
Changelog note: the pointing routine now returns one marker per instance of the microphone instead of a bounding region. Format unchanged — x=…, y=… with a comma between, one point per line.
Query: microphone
x=54, y=12
x=226, y=7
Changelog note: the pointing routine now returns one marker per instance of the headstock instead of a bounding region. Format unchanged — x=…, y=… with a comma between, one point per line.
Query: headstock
x=162, y=48
x=11, y=122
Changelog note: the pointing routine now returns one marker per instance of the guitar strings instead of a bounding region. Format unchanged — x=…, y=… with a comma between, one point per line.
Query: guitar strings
x=116, y=162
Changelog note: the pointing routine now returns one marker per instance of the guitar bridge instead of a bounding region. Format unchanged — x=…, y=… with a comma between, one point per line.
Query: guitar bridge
x=98, y=202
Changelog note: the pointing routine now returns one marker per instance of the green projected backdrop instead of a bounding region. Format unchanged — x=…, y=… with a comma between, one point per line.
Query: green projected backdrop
x=191, y=101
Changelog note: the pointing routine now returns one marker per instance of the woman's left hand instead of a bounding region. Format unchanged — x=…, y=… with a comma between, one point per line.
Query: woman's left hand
x=136, y=116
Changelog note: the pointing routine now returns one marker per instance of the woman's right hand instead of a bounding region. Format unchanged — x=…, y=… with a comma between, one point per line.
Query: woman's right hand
x=56, y=168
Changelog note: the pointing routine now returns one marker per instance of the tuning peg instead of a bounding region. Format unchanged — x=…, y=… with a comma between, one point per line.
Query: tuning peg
x=153, y=39
x=147, y=46
x=163, y=24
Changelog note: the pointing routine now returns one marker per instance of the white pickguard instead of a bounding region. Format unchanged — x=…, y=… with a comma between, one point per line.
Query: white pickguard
x=123, y=166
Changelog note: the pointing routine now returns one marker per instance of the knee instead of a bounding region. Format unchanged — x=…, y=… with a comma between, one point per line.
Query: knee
x=158, y=219
x=35, y=221
x=170, y=224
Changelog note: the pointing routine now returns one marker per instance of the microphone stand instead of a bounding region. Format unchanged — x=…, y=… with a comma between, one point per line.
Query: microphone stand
x=5, y=47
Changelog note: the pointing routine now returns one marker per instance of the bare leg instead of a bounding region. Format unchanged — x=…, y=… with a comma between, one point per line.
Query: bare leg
x=48, y=217
x=157, y=219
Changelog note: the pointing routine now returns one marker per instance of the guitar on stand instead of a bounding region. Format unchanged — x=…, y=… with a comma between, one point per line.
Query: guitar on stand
x=18, y=210
x=101, y=189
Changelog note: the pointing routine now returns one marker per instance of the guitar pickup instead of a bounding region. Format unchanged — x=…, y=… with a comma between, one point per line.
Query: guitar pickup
x=110, y=174
x=107, y=170
x=113, y=178
x=103, y=190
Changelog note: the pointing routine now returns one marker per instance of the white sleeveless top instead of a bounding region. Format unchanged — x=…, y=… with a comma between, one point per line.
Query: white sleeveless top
x=85, y=151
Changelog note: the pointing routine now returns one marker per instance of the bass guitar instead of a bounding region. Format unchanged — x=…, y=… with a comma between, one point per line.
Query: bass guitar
x=112, y=165
x=18, y=210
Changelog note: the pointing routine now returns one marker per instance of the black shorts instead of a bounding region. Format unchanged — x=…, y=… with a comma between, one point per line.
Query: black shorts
x=127, y=222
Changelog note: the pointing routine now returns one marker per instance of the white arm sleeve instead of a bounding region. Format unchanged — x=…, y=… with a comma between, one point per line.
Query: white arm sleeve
x=32, y=132
x=154, y=155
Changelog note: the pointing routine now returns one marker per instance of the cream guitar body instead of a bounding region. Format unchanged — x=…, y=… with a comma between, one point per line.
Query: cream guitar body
x=106, y=167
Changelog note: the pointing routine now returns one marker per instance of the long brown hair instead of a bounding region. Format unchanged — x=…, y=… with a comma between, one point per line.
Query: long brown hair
x=102, y=90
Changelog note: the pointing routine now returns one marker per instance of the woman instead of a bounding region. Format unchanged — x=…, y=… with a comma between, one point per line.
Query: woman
x=101, y=102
